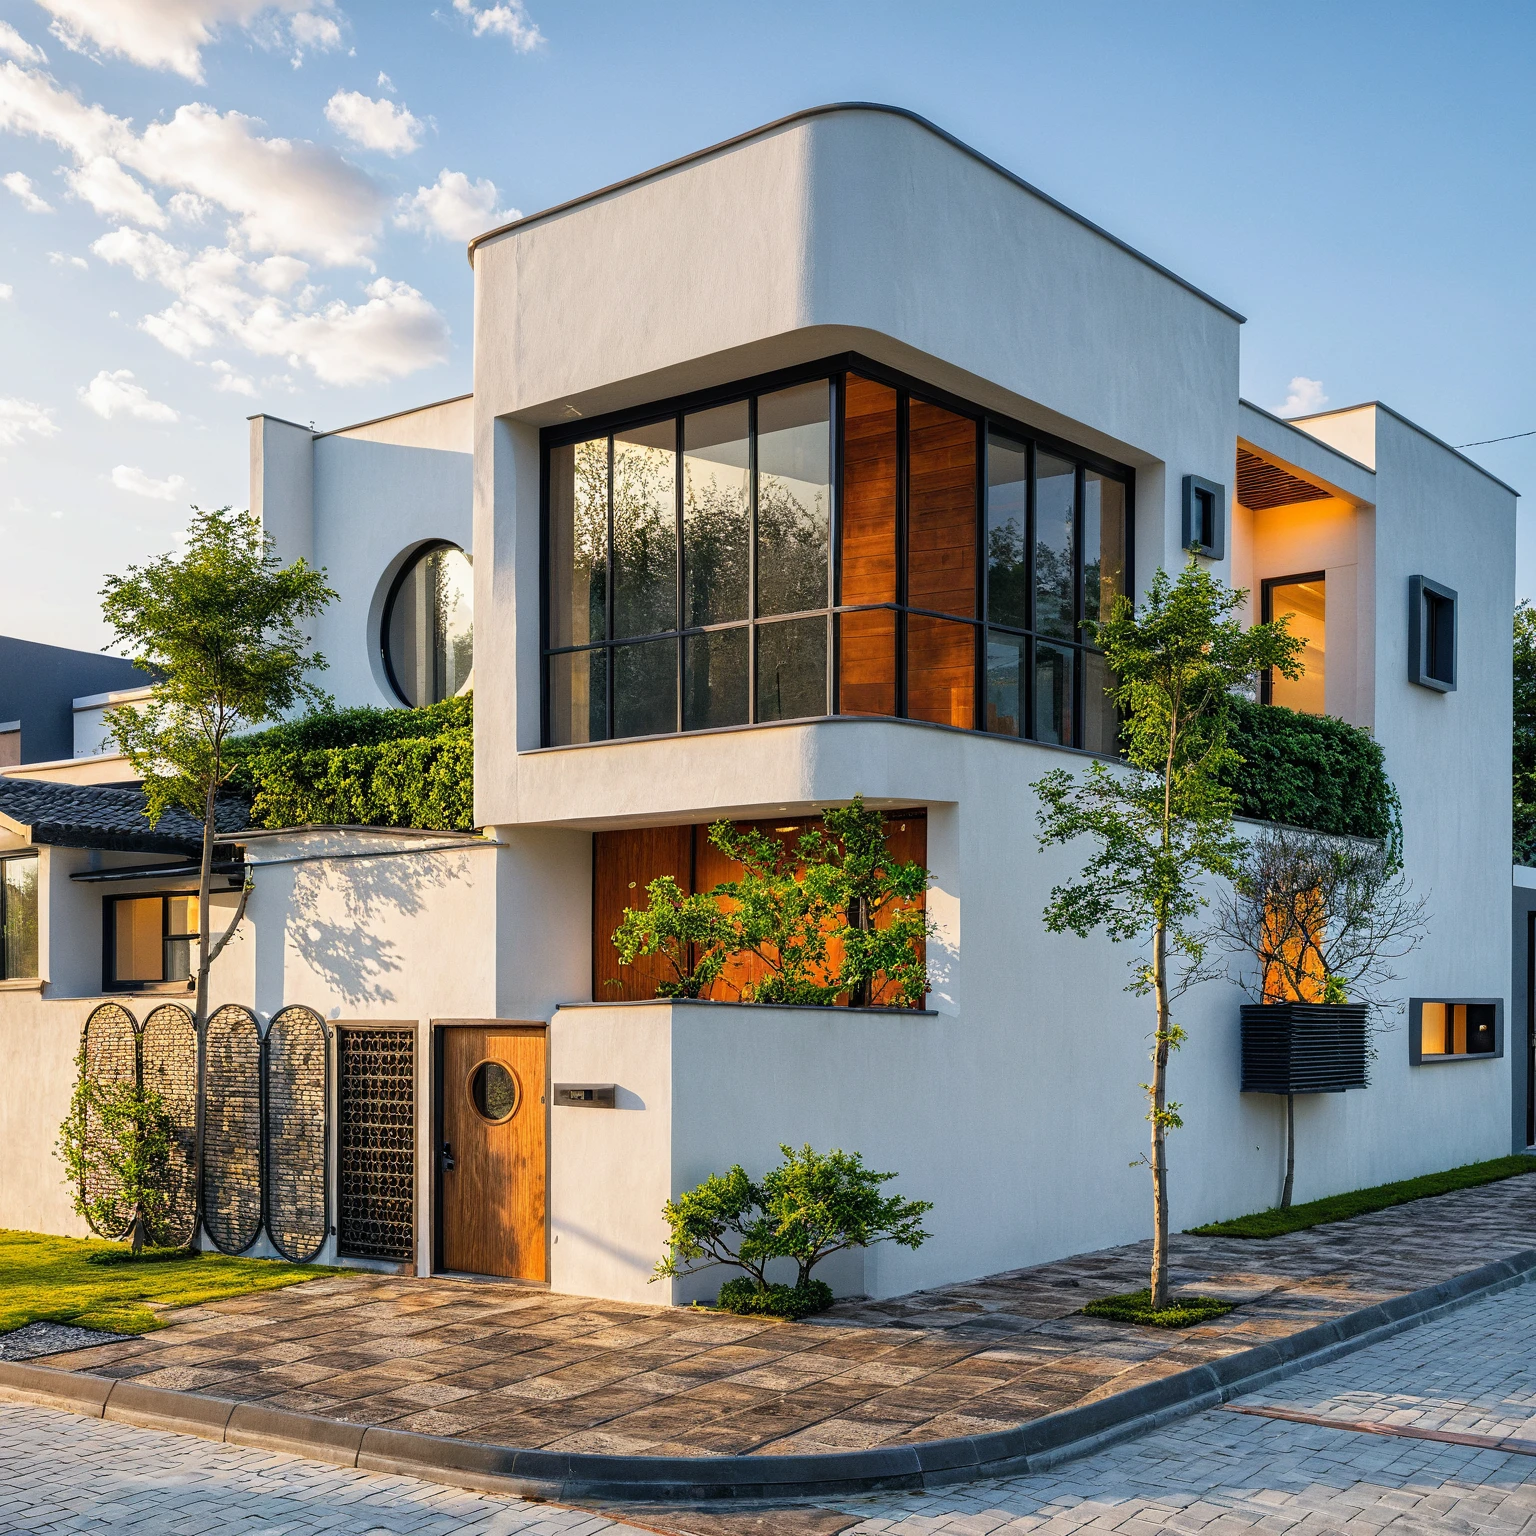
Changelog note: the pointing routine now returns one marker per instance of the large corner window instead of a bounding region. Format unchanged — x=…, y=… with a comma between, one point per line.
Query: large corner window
x=841, y=544
x=429, y=631
x=18, y=917
x=1303, y=600
x=150, y=941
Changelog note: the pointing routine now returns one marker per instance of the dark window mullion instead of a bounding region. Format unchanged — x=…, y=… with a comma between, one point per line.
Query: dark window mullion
x=752, y=560
x=979, y=687
x=1079, y=561
x=834, y=538
x=1028, y=691
x=678, y=615
x=903, y=459
x=610, y=657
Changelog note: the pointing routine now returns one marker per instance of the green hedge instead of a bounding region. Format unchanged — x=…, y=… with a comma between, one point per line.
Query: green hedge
x=363, y=767
x=1311, y=771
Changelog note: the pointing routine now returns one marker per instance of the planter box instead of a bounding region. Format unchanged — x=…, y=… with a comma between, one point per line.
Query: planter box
x=1304, y=1047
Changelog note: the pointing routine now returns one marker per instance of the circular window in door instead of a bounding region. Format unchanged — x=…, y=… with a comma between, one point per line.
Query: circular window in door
x=494, y=1092
x=429, y=629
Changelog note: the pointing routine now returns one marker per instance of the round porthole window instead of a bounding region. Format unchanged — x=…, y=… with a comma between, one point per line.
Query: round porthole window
x=429, y=628
x=494, y=1092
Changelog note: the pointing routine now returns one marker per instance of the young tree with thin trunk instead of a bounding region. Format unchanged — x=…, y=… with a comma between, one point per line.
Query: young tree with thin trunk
x=1163, y=821
x=220, y=627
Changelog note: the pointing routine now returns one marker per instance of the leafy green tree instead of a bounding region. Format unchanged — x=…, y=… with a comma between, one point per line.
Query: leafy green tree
x=690, y=932
x=116, y=1145
x=220, y=627
x=720, y=1221
x=1525, y=734
x=1163, y=820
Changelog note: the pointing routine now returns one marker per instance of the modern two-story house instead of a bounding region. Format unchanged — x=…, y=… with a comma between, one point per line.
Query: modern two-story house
x=791, y=472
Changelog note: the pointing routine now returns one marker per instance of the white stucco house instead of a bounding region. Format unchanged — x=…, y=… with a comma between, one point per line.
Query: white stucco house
x=789, y=472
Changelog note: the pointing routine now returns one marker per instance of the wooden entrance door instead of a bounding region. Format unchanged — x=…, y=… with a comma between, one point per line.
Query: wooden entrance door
x=492, y=1157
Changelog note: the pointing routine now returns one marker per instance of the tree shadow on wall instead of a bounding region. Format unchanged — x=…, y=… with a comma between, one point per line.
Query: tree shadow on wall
x=347, y=913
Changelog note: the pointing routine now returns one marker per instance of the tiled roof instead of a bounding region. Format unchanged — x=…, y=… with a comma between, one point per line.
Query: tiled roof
x=94, y=816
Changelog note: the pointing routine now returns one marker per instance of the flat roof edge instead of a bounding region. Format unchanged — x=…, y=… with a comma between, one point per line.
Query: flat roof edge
x=1315, y=442
x=825, y=110
x=1439, y=442
x=410, y=410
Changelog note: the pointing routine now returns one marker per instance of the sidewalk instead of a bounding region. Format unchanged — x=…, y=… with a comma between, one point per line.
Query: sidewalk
x=503, y=1365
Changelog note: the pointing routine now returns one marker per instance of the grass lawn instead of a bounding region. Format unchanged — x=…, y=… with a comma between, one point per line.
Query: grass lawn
x=1135, y=1307
x=1361, y=1202
x=48, y=1280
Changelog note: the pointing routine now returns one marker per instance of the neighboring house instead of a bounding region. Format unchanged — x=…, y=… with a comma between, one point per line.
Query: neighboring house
x=52, y=698
x=790, y=472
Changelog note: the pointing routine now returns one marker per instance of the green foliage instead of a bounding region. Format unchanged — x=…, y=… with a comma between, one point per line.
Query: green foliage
x=1309, y=771
x=1361, y=1202
x=787, y=1301
x=1136, y=1307
x=143, y=1256
x=690, y=932
x=116, y=1144
x=1525, y=735
x=812, y=1205
x=55, y=1280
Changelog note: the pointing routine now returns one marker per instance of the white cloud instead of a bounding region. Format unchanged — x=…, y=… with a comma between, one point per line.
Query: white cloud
x=171, y=34
x=114, y=394
x=6, y=292
x=230, y=381
x=453, y=206
x=190, y=208
x=13, y=43
x=286, y=194
x=392, y=333
x=18, y=417
x=113, y=193
x=128, y=477
x=384, y=83
x=1305, y=397
x=510, y=20
x=373, y=124
x=63, y=259
x=21, y=184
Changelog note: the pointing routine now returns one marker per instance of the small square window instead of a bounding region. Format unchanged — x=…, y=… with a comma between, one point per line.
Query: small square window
x=150, y=941
x=1205, y=517
x=1431, y=635
x=1455, y=1029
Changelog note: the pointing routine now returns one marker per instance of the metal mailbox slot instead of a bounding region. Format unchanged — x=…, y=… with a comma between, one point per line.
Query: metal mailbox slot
x=586, y=1095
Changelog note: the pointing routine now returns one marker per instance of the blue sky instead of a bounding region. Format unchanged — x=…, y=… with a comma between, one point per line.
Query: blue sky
x=213, y=207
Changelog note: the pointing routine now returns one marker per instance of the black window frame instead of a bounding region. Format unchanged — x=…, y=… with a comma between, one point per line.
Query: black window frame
x=109, y=983
x=417, y=554
x=1431, y=659
x=17, y=856
x=1267, y=614
x=834, y=370
x=1194, y=541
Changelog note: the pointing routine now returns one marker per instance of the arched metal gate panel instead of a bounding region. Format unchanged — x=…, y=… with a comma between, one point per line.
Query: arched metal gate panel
x=110, y=1047
x=168, y=1057
x=295, y=1061
x=232, y=1129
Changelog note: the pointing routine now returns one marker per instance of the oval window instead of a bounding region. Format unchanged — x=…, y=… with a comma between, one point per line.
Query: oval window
x=429, y=626
x=493, y=1092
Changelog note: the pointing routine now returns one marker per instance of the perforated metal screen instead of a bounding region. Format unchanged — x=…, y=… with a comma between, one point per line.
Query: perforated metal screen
x=376, y=1142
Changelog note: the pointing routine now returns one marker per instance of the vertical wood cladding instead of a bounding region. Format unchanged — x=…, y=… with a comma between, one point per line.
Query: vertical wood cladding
x=869, y=493
x=941, y=511
x=624, y=861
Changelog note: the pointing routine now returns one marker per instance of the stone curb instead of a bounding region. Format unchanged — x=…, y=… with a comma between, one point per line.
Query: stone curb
x=571, y=1477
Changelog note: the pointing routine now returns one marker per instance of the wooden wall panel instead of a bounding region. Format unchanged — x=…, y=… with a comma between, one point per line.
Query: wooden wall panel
x=869, y=493
x=941, y=511
x=623, y=863
x=866, y=673
x=941, y=671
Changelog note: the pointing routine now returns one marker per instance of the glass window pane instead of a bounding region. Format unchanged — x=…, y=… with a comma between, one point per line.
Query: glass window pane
x=717, y=516
x=178, y=959
x=137, y=949
x=645, y=530
x=1103, y=544
x=578, y=542
x=18, y=943
x=1053, y=694
x=1007, y=531
x=1005, y=683
x=429, y=630
x=578, y=697
x=1305, y=603
x=1432, y=1036
x=941, y=510
x=867, y=662
x=182, y=917
x=1055, y=497
x=645, y=689
x=868, y=573
x=715, y=679
x=792, y=669
x=1101, y=723
x=794, y=498
x=941, y=671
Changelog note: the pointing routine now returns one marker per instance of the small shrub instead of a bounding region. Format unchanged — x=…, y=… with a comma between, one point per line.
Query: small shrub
x=690, y=932
x=744, y=1296
x=1136, y=1307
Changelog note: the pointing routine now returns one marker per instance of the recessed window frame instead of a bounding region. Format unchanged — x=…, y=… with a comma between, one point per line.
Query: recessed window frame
x=834, y=369
x=1419, y=1057
x=417, y=554
x=1431, y=605
x=109, y=981
x=1197, y=489
x=18, y=857
x=1267, y=616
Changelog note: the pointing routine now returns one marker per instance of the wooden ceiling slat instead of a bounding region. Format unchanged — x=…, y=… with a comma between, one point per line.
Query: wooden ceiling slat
x=1261, y=484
